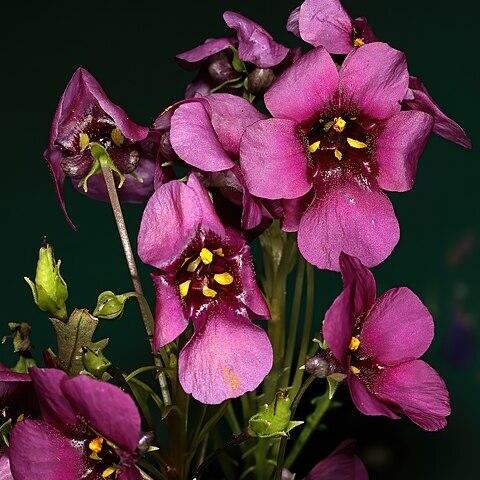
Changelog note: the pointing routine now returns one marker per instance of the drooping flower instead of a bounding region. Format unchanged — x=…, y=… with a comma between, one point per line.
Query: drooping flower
x=245, y=63
x=341, y=464
x=326, y=23
x=337, y=139
x=378, y=342
x=205, y=133
x=205, y=274
x=86, y=125
x=90, y=430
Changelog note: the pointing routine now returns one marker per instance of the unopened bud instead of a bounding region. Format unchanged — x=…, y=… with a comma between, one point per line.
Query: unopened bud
x=220, y=68
x=110, y=306
x=95, y=361
x=259, y=80
x=322, y=365
x=49, y=289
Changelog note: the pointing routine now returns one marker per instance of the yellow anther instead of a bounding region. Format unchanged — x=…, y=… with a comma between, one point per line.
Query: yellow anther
x=314, y=146
x=354, y=344
x=328, y=126
x=231, y=379
x=192, y=266
x=20, y=418
x=84, y=141
x=223, y=278
x=338, y=154
x=209, y=292
x=219, y=252
x=354, y=370
x=358, y=42
x=183, y=287
x=356, y=143
x=353, y=118
x=94, y=456
x=96, y=445
x=206, y=255
x=117, y=137
x=339, y=124
x=108, y=471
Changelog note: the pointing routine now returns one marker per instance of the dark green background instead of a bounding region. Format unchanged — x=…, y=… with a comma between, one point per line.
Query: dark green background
x=129, y=47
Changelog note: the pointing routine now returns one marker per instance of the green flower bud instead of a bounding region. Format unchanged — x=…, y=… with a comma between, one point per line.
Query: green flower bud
x=49, y=289
x=273, y=420
x=95, y=361
x=110, y=306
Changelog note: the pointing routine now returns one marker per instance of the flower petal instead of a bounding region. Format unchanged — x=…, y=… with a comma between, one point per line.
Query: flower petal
x=305, y=89
x=326, y=23
x=211, y=370
x=292, y=21
x=354, y=273
x=107, y=410
x=5, y=472
x=351, y=218
x=170, y=316
x=131, y=473
x=337, y=328
x=37, y=450
x=255, y=44
x=269, y=147
x=387, y=332
x=366, y=402
x=191, y=59
x=194, y=139
x=399, y=143
x=374, y=79
x=418, y=391
x=56, y=409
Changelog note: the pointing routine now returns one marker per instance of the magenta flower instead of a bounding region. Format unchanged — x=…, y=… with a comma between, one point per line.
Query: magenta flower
x=205, y=133
x=5, y=472
x=215, y=58
x=338, y=138
x=377, y=344
x=420, y=99
x=90, y=430
x=341, y=464
x=204, y=273
x=326, y=23
x=86, y=118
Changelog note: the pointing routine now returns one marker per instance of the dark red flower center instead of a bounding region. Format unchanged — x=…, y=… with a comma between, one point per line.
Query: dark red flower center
x=103, y=461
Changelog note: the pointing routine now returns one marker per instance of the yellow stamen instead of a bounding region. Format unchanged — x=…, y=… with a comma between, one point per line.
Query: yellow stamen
x=20, y=418
x=339, y=124
x=314, y=147
x=356, y=143
x=206, y=255
x=117, y=137
x=108, y=471
x=219, y=252
x=223, y=278
x=353, y=118
x=354, y=370
x=183, y=287
x=358, y=42
x=328, y=126
x=84, y=141
x=354, y=344
x=338, y=154
x=231, y=379
x=209, y=292
x=193, y=265
x=94, y=456
x=96, y=445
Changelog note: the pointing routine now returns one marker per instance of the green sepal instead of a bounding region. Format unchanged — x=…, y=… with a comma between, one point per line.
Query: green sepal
x=95, y=362
x=23, y=364
x=332, y=387
x=237, y=63
x=5, y=430
x=236, y=82
x=110, y=306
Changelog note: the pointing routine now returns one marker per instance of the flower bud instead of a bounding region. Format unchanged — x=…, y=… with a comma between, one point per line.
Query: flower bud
x=95, y=361
x=110, y=306
x=49, y=289
x=323, y=365
x=259, y=80
x=220, y=68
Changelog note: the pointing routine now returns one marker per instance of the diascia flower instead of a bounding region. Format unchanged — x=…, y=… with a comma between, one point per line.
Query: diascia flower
x=87, y=122
x=326, y=23
x=337, y=139
x=204, y=273
x=377, y=343
x=90, y=430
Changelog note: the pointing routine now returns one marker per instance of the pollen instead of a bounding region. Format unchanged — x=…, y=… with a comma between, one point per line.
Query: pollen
x=84, y=141
x=108, y=471
x=338, y=154
x=209, y=292
x=192, y=266
x=231, y=379
x=96, y=445
x=339, y=124
x=206, y=255
x=314, y=147
x=223, y=278
x=356, y=143
x=183, y=287
x=354, y=344
x=358, y=42
x=219, y=252
x=117, y=137
x=354, y=370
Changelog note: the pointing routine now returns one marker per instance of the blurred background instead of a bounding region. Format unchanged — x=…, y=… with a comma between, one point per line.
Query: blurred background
x=130, y=47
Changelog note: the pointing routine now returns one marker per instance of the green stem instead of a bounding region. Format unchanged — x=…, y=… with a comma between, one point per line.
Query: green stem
x=140, y=370
x=293, y=409
x=132, y=268
x=311, y=423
